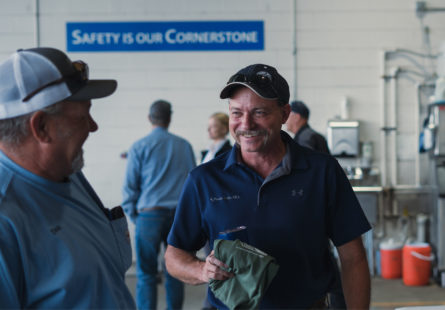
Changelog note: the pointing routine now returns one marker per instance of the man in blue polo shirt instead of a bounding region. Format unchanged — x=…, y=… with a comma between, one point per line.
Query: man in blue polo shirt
x=291, y=199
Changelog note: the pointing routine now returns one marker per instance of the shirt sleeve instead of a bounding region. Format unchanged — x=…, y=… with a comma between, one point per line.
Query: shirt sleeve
x=132, y=185
x=310, y=143
x=10, y=269
x=186, y=232
x=307, y=138
x=347, y=219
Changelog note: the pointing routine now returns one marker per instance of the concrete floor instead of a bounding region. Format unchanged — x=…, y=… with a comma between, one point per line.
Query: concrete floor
x=390, y=294
x=194, y=295
x=385, y=295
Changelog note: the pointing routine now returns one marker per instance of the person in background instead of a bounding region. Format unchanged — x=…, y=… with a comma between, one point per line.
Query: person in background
x=157, y=167
x=218, y=129
x=293, y=201
x=297, y=123
x=60, y=248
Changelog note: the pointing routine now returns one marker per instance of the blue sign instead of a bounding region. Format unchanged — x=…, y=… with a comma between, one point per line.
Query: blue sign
x=165, y=36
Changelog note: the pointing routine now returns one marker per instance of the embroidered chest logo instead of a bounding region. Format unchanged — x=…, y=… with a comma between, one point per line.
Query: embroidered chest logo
x=227, y=197
x=297, y=192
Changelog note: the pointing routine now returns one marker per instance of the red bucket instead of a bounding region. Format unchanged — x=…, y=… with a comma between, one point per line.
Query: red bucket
x=417, y=259
x=391, y=260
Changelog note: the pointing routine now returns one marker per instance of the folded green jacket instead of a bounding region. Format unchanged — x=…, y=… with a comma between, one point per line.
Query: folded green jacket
x=253, y=269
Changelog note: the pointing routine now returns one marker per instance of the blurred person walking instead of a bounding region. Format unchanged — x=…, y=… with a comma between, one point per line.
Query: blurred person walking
x=157, y=167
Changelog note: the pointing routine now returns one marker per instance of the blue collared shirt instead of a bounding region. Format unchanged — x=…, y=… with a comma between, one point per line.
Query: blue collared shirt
x=58, y=248
x=290, y=215
x=157, y=167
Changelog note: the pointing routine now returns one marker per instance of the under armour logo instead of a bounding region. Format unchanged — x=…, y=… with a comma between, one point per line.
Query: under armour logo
x=299, y=193
x=55, y=229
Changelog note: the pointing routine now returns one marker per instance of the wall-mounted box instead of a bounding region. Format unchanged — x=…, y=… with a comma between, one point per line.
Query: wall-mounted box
x=343, y=138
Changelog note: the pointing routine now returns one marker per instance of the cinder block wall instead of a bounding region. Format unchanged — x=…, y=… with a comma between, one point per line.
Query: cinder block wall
x=338, y=54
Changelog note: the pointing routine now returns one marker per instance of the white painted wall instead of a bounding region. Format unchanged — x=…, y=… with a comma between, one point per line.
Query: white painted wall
x=338, y=54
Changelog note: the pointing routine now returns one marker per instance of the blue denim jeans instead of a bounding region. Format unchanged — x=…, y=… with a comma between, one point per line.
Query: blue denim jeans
x=152, y=228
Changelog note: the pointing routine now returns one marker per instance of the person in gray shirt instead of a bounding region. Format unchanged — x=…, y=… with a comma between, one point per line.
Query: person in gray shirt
x=297, y=123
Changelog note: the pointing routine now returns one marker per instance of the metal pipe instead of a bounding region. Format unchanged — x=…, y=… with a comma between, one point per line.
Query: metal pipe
x=422, y=9
x=383, y=163
x=416, y=135
x=381, y=218
x=393, y=106
x=37, y=23
x=403, y=50
x=386, y=128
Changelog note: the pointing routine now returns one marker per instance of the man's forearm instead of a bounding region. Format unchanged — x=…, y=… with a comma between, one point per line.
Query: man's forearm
x=184, y=266
x=356, y=285
x=355, y=276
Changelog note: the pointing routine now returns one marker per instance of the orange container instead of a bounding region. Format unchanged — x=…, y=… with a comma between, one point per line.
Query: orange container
x=417, y=264
x=391, y=260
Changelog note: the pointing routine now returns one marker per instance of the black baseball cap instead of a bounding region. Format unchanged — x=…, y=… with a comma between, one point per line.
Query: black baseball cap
x=262, y=79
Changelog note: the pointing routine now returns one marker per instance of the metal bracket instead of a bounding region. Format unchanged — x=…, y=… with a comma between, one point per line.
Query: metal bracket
x=422, y=9
x=388, y=129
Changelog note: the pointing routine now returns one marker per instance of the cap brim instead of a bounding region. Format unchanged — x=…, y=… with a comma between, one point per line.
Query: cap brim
x=94, y=89
x=228, y=90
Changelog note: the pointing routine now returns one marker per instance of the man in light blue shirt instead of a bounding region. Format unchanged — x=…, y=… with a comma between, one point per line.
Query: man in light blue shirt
x=60, y=248
x=158, y=165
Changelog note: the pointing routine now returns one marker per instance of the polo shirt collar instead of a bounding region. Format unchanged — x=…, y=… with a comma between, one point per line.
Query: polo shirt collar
x=233, y=157
x=298, y=154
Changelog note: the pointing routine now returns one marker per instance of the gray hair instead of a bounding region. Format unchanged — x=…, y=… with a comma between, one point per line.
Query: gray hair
x=14, y=130
x=160, y=113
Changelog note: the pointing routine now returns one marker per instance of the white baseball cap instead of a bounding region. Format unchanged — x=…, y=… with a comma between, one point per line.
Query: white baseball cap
x=32, y=79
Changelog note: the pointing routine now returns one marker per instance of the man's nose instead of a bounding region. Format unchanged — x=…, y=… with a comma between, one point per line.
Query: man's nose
x=93, y=125
x=247, y=121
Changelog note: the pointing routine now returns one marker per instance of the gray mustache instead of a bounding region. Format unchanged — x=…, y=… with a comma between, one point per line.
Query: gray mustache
x=250, y=132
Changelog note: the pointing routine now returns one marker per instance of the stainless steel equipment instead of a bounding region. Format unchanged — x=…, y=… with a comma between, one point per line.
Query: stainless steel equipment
x=436, y=125
x=343, y=138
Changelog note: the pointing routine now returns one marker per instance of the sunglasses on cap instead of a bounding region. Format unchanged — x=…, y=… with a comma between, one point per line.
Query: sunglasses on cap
x=79, y=77
x=261, y=79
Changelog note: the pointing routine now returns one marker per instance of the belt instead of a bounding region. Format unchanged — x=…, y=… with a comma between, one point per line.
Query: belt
x=153, y=209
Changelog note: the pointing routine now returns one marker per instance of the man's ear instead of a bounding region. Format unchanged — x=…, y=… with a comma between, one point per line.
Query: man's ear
x=286, y=112
x=38, y=125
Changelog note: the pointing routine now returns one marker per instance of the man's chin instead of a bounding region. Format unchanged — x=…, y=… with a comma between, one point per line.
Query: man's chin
x=78, y=167
x=78, y=163
x=250, y=148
